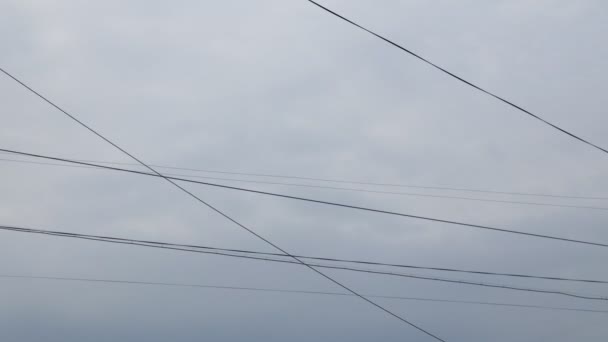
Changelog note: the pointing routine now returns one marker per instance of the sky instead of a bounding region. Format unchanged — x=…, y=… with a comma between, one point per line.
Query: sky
x=281, y=87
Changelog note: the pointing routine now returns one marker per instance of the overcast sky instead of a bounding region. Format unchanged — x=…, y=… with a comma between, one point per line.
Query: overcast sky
x=281, y=87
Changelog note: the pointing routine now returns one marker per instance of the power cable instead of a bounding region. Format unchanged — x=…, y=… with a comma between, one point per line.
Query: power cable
x=404, y=275
x=201, y=201
x=349, y=261
x=277, y=290
x=461, y=79
x=377, y=184
x=379, y=211
x=331, y=187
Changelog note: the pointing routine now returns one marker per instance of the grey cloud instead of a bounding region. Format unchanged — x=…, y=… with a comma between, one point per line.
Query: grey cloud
x=280, y=87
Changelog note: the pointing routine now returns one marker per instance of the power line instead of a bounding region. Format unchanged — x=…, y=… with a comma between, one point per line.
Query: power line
x=336, y=204
x=228, y=217
x=330, y=187
x=346, y=181
x=404, y=275
x=349, y=261
x=461, y=79
x=277, y=290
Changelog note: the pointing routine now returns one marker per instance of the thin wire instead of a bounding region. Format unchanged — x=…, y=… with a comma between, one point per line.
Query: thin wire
x=379, y=211
x=404, y=275
x=462, y=79
x=332, y=187
x=219, y=211
x=277, y=290
x=350, y=261
x=349, y=181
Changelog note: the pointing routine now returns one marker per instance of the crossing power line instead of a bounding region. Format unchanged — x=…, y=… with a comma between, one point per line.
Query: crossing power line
x=220, y=212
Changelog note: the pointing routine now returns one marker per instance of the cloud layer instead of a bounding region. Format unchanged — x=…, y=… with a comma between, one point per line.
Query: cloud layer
x=282, y=88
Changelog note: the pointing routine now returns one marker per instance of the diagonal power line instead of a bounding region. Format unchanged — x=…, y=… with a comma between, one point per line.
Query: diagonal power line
x=228, y=217
x=445, y=71
x=311, y=200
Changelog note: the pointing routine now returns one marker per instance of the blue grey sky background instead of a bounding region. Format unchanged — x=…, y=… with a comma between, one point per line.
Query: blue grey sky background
x=281, y=87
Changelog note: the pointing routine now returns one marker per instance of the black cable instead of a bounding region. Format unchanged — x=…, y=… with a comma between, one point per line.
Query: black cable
x=379, y=211
x=460, y=78
x=333, y=187
x=404, y=275
x=201, y=201
x=276, y=290
x=363, y=262
x=348, y=181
